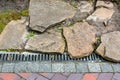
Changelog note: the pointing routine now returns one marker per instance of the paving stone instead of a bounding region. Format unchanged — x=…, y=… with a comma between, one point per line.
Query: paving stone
x=45, y=67
x=116, y=67
x=41, y=78
x=66, y=74
x=25, y=75
x=105, y=76
x=105, y=67
x=9, y=76
x=1, y=64
x=33, y=77
x=57, y=67
x=116, y=76
x=82, y=67
x=21, y=67
x=47, y=75
x=59, y=77
x=75, y=77
x=94, y=67
x=33, y=66
x=8, y=67
x=90, y=76
x=69, y=67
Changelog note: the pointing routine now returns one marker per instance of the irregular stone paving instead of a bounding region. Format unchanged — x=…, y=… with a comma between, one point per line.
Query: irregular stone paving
x=45, y=13
x=80, y=39
x=13, y=36
x=51, y=41
x=110, y=47
x=59, y=76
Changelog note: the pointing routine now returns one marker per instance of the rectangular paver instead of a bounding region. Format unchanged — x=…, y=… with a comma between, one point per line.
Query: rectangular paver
x=116, y=76
x=45, y=67
x=90, y=76
x=1, y=64
x=21, y=67
x=59, y=76
x=8, y=67
x=106, y=67
x=105, y=76
x=116, y=67
x=82, y=67
x=69, y=67
x=33, y=67
x=57, y=67
x=75, y=76
x=94, y=67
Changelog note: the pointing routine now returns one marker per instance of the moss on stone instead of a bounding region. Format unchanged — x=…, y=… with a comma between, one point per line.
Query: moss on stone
x=7, y=16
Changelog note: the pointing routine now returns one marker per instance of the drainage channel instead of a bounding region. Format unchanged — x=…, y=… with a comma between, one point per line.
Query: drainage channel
x=16, y=56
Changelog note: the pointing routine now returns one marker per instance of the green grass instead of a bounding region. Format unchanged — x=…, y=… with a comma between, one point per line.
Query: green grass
x=31, y=34
x=8, y=15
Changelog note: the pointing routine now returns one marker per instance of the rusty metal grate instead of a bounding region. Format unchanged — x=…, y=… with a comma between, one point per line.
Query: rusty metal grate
x=16, y=56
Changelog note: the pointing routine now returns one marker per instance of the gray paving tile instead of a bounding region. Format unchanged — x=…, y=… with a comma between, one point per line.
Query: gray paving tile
x=8, y=67
x=33, y=66
x=21, y=67
x=45, y=67
x=82, y=67
x=57, y=67
x=1, y=64
x=106, y=67
x=94, y=67
x=75, y=77
x=116, y=67
x=69, y=67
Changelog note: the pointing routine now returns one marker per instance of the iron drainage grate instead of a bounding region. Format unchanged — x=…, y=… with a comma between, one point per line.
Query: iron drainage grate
x=16, y=56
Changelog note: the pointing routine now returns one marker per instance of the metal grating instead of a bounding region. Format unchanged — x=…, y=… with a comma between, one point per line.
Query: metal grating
x=15, y=56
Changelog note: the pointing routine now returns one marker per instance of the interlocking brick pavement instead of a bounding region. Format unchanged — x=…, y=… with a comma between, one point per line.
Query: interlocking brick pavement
x=59, y=76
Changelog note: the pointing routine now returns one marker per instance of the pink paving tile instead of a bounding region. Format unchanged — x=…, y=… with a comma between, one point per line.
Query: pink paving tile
x=9, y=76
x=90, y=76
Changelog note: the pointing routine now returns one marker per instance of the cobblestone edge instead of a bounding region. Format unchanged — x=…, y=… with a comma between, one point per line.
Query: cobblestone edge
x=44, y=66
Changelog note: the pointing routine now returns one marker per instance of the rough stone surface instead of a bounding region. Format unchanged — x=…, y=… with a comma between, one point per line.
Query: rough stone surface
x=45, y=13
x=114, y=22
x=51, y=41
x=13, y=5
x=80, y=38
x=103, y=4
x=100, y=15
x=84, y=9
x=13, y=36
x=110, y=46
